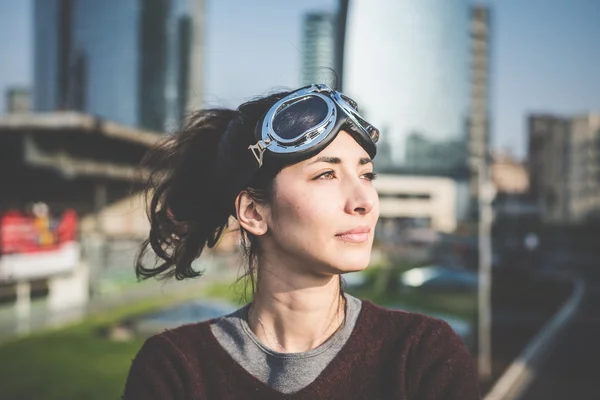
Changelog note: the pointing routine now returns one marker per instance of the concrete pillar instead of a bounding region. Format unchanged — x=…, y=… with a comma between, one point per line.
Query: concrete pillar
x=23, y=307
x=68, y=295
x=95, y=243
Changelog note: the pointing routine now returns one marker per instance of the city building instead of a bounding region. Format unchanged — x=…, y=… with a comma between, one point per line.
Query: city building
x=18, y=100
x=340, y=40
x=420, y=150
x=549, y=164
x=133, y=62
x=318, y=48
x=584, y=168
x=406, y=63
x=479, y=123
x=564, y=166
x=430, y=202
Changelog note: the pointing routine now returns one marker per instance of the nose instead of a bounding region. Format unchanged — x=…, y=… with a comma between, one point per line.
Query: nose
x=361, y=197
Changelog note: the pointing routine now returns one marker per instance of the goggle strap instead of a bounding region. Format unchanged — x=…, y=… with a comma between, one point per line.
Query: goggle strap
x=258, y=150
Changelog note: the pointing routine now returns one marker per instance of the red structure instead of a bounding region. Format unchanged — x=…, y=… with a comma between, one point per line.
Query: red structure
x=22, y=233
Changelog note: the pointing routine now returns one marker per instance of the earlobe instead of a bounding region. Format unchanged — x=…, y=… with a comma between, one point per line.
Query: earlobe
x=250, y=214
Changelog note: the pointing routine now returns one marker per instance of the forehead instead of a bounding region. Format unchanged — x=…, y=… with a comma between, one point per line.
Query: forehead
x=344, y=146
x=342, y=150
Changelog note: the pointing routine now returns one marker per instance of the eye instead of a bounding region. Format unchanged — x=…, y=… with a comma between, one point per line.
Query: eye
x=369, y=176
x=326, y=175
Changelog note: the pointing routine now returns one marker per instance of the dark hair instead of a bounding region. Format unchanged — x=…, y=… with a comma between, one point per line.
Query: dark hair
x=191, y=190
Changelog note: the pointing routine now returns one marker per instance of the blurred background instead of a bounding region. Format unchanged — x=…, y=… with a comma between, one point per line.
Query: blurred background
x=489, y=173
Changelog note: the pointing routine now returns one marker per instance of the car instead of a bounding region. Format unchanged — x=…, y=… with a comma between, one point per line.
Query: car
x=441, y=278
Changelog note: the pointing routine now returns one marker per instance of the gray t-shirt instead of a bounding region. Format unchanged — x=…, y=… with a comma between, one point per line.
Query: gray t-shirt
x=285, y=372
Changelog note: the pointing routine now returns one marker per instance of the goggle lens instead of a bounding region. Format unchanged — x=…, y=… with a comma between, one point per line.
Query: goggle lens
x=295, y=118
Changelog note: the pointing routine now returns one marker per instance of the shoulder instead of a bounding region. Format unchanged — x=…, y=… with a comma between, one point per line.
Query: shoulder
x=162, y=368
x=170, y=355
x=435, y=360
x=406, y=323
x=181, y=339
x=174, y=347
x=419, y=336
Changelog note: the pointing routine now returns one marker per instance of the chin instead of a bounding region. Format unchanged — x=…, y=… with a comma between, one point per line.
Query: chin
x=351, y=263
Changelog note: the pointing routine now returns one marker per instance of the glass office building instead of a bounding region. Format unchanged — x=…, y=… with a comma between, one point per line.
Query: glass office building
x=123, y=60
x=407, y=64
x=50, y=43
x=318, y=50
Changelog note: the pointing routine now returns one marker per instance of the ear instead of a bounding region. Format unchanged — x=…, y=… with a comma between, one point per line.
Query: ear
x=250, y=214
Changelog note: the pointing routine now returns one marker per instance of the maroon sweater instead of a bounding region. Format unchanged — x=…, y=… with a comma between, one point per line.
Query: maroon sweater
x=390, y=355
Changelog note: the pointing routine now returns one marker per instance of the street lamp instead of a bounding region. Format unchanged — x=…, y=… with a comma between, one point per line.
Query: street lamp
x=486, y=194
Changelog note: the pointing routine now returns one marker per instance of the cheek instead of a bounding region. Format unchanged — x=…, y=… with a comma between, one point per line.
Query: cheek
x=301, y=212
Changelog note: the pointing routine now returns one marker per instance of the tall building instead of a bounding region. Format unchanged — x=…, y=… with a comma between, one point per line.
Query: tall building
x=340, y=40
x=479, y=122
x=406, y=63
x=318, y=48
x=127, y=61
x=52, y=34
x=549, y=158
x=564, y=166
x=584, y=168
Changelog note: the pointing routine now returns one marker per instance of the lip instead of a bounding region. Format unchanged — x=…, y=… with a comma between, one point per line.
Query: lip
x=358, y=229
x=359, y=234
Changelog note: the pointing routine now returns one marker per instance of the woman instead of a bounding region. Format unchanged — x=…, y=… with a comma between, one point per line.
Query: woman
x=295, y=170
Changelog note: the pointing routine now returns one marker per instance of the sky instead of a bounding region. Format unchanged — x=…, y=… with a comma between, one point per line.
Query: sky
x=545, y=55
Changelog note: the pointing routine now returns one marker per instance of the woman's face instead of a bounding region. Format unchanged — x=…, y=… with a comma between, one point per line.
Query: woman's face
x=323, y=215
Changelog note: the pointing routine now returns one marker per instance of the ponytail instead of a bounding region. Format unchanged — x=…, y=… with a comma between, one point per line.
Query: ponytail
x=185, y=215
x=195, y=177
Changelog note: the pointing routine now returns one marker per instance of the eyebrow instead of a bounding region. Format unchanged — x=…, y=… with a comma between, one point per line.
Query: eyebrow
x=337, y=160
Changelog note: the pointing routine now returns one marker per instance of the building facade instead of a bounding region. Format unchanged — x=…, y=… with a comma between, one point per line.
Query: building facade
x=549, y=165
x=127, y=61
x=564, y=166
x=584, y=168
x=407, y=65
x=318, y=50
x=431, y=201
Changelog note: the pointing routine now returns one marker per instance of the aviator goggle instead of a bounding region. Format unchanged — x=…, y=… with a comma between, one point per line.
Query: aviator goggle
x=283, y=132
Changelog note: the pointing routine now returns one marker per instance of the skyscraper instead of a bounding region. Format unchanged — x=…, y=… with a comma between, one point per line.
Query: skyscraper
x=479, y=126
x=127, y=61
x=318, y=48
x=407, y=64
x=52, y=34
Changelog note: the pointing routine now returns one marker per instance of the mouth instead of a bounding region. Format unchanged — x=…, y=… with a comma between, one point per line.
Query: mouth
x=357, y=235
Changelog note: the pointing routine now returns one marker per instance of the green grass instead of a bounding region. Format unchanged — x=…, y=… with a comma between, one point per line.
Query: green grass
x=75, y=362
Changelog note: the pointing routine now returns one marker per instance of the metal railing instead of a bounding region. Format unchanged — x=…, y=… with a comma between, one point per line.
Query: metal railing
x=519, y=376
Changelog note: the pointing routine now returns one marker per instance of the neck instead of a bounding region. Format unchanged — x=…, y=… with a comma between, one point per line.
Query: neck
x=297, y=317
